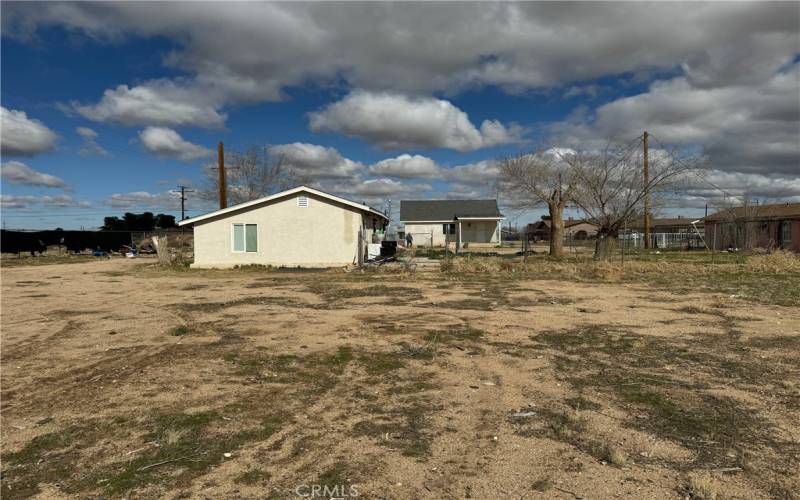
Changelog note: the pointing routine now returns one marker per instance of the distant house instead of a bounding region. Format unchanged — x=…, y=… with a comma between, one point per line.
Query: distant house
x=755, y=226
x=577, y=229
x=671, y=225
x=301, y=227
x=433, y=222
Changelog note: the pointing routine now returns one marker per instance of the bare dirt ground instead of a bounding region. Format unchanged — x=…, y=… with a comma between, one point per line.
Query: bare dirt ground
x=123, y=379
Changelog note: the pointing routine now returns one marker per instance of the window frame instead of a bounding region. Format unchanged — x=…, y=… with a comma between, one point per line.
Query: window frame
x=784, y=230
x=244, y=235
x=447, y=226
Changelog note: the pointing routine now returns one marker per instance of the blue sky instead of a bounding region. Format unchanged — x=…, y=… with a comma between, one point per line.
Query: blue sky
x=340, y=88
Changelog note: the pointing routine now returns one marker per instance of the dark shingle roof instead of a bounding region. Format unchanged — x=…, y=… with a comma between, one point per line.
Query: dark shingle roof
x=436, y=210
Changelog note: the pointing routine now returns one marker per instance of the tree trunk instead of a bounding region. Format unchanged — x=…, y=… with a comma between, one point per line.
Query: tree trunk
x=556, y=229
x=606, y=245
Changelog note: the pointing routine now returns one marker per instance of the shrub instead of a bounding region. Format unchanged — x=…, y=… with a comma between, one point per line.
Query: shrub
x=702, y=486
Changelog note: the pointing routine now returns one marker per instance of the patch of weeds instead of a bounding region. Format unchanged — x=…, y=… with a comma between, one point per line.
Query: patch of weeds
x=211, y=307
x=380, y=363
x=474, y=304
x=194, y=286
x=702, y=486
x=334, y=292
x=315, y=373
x=637, y=373
x=542, y=485
x=252, y=477
x=567, y=427
x=335, y=480
x=579, y=403
x=417, y=352
x=778, y=342
x=191, y=444
x=453, y=334
x=53, y=458
x=615, y=455
x=30, y=283
x=180, y=331
x=404, y=427
x=411, y=388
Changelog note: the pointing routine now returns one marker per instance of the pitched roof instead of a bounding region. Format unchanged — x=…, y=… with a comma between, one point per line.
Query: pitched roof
x=445, y=210
x=288, y=192
x=577, y=222
x=776, y=211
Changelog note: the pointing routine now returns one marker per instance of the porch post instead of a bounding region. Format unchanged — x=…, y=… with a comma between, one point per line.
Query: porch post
x=500, y=233
x=458, y=244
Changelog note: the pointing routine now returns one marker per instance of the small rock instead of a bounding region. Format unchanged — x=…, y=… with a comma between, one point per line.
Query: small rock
x=227, y=455
x=523, y=414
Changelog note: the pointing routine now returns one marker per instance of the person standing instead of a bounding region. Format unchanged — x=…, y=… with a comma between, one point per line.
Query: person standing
x=409, y=240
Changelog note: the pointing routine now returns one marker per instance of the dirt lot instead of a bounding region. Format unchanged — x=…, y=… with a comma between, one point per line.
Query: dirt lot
x=120, y=378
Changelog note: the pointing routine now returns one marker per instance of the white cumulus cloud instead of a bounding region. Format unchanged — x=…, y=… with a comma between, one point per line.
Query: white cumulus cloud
x=407, y=166
x=17, y=172
x=168, y=200
x=374, y=190
x=314, y=161
x=167, y=143
x=157, y=102
x=10, y=201
x=23, y=136
x=396, y=121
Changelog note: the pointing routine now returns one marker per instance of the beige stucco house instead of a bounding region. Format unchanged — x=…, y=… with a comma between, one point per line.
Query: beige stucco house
x=301, y=227
x=434, y=222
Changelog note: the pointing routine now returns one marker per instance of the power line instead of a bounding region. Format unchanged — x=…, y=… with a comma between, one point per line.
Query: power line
x=184, y=190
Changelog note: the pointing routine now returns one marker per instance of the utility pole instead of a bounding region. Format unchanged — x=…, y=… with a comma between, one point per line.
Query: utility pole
x=184, y=190
x=223, y=183
x=646, y=175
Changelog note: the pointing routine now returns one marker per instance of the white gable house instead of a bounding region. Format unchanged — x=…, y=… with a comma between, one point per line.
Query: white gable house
x=435, y=222
x=301, y=227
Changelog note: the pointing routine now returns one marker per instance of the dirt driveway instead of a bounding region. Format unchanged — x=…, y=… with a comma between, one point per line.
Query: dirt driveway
x=124, y=379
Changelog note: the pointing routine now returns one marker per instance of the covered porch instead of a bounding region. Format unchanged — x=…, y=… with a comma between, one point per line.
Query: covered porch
x=478, y=231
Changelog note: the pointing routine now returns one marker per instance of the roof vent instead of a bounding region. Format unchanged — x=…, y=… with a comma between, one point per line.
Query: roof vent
x=302, y=201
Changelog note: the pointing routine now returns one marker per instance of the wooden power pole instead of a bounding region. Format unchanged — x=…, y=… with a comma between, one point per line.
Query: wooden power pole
x=223, y=183
x=646, y=179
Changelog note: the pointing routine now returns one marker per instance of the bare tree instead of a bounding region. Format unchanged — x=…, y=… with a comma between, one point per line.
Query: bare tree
x=539, y=178
x=610, y=187
x=737, y=217
x=251, y=174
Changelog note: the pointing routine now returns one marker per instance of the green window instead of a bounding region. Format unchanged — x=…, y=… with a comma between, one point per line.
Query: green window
x=245, y=238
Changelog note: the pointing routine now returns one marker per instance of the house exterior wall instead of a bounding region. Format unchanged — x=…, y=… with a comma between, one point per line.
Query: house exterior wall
x=421, y=233
x=752, y=234
x=471, y=232
x=479, y=231
x=589, y=229
x=323, y=234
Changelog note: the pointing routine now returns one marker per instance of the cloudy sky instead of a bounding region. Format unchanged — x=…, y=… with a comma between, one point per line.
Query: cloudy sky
x=107, y=107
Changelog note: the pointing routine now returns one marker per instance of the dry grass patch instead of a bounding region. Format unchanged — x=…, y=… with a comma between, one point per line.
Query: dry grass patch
x=702, y=486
